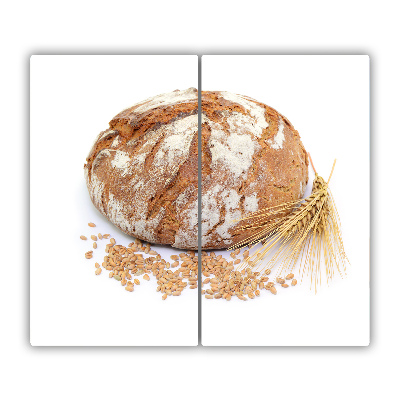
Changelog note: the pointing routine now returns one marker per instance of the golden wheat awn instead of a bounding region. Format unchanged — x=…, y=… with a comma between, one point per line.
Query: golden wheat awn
x=310, y=235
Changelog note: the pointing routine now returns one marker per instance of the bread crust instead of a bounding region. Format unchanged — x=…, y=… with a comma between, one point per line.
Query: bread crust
x=142, y=172
x=252, y=158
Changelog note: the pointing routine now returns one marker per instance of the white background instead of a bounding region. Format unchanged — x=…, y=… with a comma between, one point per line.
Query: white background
x=326, y=98
x=72, y=100
x=282, y=27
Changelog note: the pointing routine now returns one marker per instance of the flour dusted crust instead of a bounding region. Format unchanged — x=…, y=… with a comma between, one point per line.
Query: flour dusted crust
x=142, y=172
x=252, y=158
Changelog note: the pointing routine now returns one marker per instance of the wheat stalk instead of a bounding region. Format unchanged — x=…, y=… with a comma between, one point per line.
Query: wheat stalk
x=310, y=234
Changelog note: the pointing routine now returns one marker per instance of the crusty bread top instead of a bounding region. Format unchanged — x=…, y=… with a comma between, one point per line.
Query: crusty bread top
x=142, y=172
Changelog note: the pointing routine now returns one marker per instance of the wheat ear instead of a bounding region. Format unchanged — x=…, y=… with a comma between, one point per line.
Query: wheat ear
x=310, y=234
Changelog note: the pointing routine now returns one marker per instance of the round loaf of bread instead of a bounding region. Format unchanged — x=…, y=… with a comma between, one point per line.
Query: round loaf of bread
x=142, y=172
